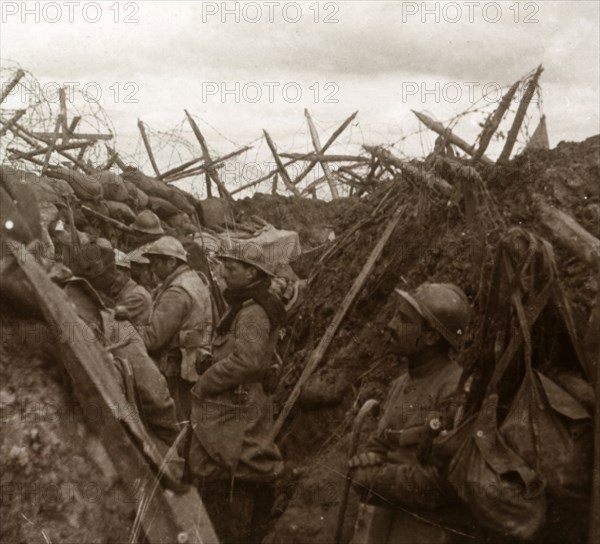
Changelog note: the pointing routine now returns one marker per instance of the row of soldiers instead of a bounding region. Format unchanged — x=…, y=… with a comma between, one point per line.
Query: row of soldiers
x=214, y=366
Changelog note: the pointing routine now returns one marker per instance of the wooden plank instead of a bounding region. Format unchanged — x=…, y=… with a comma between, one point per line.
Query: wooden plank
x=99, y=394
x=449, y=136
x=519, y=116
x=76, y=136
x=63, y=115
x=114, y=155
x=211, y=173
x=13, y=83
x=321, y=349
x=314, y=135
x=317, y=157
x=202, y=168
x=281, y=168
x=40, y=151
x=149, y=149
x=493, y=121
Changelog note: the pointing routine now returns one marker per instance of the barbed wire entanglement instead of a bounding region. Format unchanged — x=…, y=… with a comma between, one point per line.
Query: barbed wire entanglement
x=44, y=124
x=68, y=122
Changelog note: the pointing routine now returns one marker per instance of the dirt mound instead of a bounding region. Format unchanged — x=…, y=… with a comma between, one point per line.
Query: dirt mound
x=431, y=243
x=57, y=484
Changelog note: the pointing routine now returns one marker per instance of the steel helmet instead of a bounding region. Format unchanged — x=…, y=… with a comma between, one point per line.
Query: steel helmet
x=122, y=260
x=444, y=306
x=147, y=222
x=167, y=246
x=249, y=253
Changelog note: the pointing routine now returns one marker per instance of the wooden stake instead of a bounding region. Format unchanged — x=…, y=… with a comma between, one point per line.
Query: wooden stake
x=318, y=354
x=417, y=174
x=6, y=125
x=314, y=135
x=284, y=175
x=319, y=158
x=327, y=145
x=493, y=121
x=450, y=137
x=149, y=149
x=520, y=115
x=568, y=232
x=13, y=83
x=211, y=172
x=51, y=146
x=274, y=187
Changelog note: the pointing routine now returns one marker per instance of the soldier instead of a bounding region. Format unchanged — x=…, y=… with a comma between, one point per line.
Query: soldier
x=127, y=294
x=231, y=414
x=141, y=272
x=180, y=327
x=427, y=324
x=147, y=227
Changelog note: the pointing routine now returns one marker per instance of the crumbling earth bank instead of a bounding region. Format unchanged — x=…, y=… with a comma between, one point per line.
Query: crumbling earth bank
x=57, y=485
x=432, y=243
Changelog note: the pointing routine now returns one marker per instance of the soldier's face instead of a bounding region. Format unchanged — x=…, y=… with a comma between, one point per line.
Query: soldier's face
x=406, y=327
x=236, y=275
x=162, y=266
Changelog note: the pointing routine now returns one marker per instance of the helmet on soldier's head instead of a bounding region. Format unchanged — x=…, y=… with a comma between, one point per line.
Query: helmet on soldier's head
x=148, y=223
x=249, y=253
x=122, y=259
x=444, y=306
x=167, y=246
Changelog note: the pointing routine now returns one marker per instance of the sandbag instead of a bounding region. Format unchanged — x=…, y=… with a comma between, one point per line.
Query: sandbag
x=180, y=200
x=141, y=199
x=182, y=223
x=113, y=187
x=86, y=187
x=161, y=207
x=120, y=211
x=150, y=186
x=216, y=212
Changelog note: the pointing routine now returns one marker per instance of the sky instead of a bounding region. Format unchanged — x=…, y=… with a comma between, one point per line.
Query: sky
x=243, y=67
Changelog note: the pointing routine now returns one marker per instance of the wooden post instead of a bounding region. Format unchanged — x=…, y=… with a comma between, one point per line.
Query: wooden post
x=274, y=187
x=149, y=149
x=114, y=156
x=284, y=175
x=63, y=115
x=22, y=132
x=493, y=121
x=450, y=137
x=314, y=135
x=318, y=354
x=13, y=83
x=211, y=172
x=203, y=167
x=61, y=147
x=51, y=145
x=327, y=145
x=520, y=115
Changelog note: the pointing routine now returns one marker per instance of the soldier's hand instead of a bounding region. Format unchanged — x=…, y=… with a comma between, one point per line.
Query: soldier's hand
x=368, y=459
x=203, y=361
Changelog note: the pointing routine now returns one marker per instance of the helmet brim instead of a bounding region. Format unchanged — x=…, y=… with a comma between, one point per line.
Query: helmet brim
x=245, y=261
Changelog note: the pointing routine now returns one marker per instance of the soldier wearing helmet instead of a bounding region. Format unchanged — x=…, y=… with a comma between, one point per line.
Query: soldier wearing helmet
x=140, y=269
x=147, y=227
x=428, y=323
x=180, y=327
x=127, y=294
x=232, y=415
